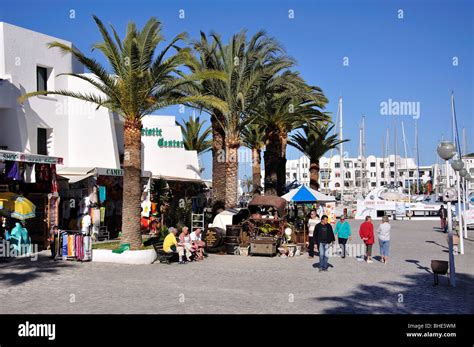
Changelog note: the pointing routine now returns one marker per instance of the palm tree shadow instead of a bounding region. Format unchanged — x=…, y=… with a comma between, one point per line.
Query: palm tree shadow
x=16, y=271
x=413, y=294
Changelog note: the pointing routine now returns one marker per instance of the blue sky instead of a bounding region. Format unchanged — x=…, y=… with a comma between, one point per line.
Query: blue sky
x=409, y=59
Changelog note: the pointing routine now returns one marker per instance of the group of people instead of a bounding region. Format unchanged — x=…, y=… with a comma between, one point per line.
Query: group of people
x=323, y=236
x=188, y=246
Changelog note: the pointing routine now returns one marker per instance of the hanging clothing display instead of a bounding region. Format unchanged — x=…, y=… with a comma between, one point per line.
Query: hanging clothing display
x=54, y=179
x=86, y=223
x=30, y=174
x=102, y=194
x=102, y=214
x=75, y=246
x=12, y=170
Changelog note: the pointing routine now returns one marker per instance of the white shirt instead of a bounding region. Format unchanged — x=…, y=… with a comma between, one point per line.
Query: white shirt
x=311, y=225
x=194, y=237
x=383, y=231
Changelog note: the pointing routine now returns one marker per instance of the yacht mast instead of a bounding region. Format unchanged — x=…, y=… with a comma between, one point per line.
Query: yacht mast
x=341, y=152
x=406, y=161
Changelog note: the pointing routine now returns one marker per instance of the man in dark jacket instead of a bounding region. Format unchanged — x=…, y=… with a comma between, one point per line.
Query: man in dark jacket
x=324, y=236
x=443, y=215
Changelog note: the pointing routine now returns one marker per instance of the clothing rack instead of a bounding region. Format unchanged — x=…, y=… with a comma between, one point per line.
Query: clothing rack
x=73, y=245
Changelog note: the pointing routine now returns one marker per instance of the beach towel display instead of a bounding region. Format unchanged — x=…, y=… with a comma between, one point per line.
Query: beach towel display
x=75, y=246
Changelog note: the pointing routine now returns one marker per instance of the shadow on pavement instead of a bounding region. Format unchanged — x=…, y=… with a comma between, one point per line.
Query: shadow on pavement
x=20, y=270
x=414, y=294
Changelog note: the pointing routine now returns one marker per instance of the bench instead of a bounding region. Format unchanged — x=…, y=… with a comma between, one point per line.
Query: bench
x=163, y=256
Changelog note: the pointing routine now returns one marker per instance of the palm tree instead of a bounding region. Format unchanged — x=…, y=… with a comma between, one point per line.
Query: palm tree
x=247, y=66
x=195, y=138
x=289, y=104
x=254, y=139
x=140, y=83
x=314, y=142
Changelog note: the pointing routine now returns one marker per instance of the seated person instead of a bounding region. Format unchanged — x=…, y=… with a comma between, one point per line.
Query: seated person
x=185, y=241
x=170, y=245
x=197, y=242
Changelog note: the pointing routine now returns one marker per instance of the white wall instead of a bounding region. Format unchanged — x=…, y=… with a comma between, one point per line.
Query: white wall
x=91, y=132
x=22, y=51
x=167, y=161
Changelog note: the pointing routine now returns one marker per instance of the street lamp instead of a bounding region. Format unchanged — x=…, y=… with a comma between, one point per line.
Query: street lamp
x=446, y=150
x=458, y=165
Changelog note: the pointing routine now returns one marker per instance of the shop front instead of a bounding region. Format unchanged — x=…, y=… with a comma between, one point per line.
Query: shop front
x=33, y=177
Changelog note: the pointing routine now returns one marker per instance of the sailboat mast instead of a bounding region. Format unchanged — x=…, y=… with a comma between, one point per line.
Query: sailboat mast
x=364, y=165
x=387, y=155
x=406, y=161
x=341, y=152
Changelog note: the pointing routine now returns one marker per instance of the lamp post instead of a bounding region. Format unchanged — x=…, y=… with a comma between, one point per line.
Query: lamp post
x=464, y=174
x=458, y=165
x=446, y=151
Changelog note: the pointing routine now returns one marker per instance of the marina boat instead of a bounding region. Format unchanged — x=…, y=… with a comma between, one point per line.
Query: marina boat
x=389, y=200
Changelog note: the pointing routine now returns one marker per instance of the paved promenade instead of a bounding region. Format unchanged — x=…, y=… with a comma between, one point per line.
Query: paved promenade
x=233, y=284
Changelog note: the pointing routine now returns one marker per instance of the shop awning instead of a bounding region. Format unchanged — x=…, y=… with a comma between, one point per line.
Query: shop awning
x=29, y=158
x=305, y=194
x=178, y=179
x=76, y=174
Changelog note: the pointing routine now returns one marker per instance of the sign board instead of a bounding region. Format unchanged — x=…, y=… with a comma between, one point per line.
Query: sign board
x=29, y=158
x=469, y=217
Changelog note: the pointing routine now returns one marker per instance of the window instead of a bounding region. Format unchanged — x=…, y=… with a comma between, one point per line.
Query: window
x=337, y=165
x=392, y=174
x=410, y=173
x=392, y=164
x=338, y=174
x=41, y=78
x=337, y=185
x=382, y=175
x=348, y=175
x=381, y=165
x=373, y=184
x=372, y=164
x=42, y=143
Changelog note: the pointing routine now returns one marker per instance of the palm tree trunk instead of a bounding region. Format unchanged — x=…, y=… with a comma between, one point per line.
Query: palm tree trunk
x=256, y=169
x=314, y=175
x=132, y=192
x=271, y=157
x=218, y=161
x=231, y=172
x=281, y=175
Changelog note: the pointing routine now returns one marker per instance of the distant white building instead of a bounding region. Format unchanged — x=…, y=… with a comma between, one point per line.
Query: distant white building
x=367, y=174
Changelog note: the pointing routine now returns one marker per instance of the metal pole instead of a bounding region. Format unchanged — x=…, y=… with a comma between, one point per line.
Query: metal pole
x=452, y=268
x=466, y=204
x=341, y=153
x=461, y=236
x=406, y=163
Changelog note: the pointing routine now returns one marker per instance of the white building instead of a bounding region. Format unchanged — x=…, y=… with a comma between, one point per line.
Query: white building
x=59, y=126
x=368, y=174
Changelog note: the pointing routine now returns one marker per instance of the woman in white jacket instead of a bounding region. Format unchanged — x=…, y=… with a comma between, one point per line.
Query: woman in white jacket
x=383, y=233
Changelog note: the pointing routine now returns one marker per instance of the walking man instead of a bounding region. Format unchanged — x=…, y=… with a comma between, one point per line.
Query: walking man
x=443, y=215
x=324, y=236
x=366, y=233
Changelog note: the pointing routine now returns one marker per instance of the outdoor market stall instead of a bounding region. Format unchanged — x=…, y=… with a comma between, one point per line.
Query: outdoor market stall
x=304, y=196
x=33, y=176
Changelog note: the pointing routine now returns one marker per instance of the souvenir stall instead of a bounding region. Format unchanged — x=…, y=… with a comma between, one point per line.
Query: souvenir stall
x=302, y=199
x=93, y=201
x=33, y=177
